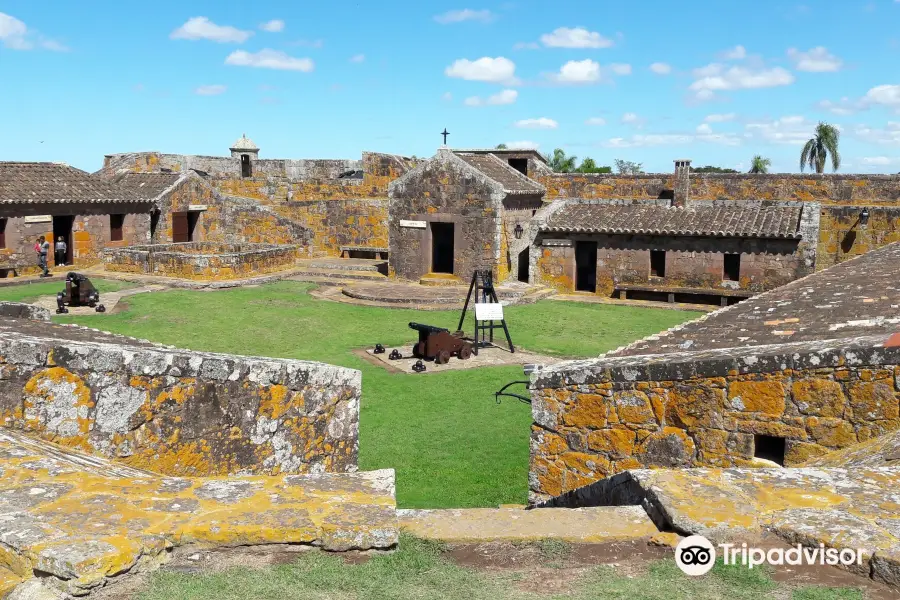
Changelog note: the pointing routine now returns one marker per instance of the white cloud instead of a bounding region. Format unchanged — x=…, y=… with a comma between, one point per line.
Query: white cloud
x=201, y=28
x=630, y=118
x=844, y=106
x=596, y=121
x=816, y=60
x=661, y=68
x=15, y=35
x=307, y=43
x=668, y=139
x=578, y=71
x=889, y=135
x=358, y=58
x=539, y=123
x=273, y=26
x=269, y=59
x=494, y=70
x=704, y=129
x=620, y=69
x=786, y=130
x=886, y=95
x=736, y=53
x=578, y=37
x=466, y=14
x=522, y=145
x=210, y=90
x=503, y=97
x=526, y=46
x=717, y=77
x=880, y=161
x=720, y=118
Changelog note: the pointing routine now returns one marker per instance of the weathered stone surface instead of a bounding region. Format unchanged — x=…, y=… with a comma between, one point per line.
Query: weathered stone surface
x=177, y=412
x=21, y=310
x=83, y=519
x=580, y=525
x=882, y=451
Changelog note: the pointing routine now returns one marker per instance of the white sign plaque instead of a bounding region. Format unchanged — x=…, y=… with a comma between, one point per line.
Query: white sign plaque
x=415, y=224
x=197, y=207
x=488, y=311
x=39, y=219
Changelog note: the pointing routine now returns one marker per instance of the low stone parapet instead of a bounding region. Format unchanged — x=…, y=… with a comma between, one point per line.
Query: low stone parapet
x=202, y=260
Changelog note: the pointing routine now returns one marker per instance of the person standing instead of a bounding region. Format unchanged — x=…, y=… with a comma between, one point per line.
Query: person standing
x=61, y=251
x=42, y=256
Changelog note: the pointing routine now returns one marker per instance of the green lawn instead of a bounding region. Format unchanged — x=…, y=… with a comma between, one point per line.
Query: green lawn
x=420, y=569
x=450, y=443
x=33, y=291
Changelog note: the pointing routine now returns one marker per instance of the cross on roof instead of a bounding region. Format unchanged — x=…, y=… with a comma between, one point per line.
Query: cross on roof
x=445, y=133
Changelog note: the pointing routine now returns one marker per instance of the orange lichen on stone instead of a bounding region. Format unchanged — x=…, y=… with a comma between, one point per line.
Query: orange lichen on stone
x=766, y=397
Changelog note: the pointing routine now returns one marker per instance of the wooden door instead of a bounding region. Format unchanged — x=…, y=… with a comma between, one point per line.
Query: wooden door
x=180, y=228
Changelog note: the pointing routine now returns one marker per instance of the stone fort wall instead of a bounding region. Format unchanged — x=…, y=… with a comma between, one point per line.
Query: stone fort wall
x=596, y=418
x=842, y=198
x=176, y=412
x=338, y=211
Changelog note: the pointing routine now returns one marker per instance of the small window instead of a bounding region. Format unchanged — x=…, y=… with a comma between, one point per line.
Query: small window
x=2, y=233
x=246, y=167
x=657, y=263
x=769, y=448
x=733, y=267
x=115, y=227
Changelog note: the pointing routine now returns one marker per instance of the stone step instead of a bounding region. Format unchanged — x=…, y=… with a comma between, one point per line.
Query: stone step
x=355, y=275
x=440, y=279
x=346, y=264
x=578, y=525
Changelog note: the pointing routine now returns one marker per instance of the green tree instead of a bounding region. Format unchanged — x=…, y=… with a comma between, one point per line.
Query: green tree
x=588, y=165
x=561, y=163
x=626, y=167
x=502, y=147
x=760, y=164
x=711, y=169
x=822, y=146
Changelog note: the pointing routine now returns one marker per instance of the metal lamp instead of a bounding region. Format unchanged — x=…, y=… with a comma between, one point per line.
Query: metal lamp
x=518, y=231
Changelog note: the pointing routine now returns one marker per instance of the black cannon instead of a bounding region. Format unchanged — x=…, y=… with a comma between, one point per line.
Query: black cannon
x=439, y=344
x=79, y=292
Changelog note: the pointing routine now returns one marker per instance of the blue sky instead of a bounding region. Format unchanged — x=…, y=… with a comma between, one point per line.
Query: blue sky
x=648, y=81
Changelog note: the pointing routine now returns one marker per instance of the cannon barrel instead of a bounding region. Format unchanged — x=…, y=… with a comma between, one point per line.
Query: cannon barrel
x=431, y=328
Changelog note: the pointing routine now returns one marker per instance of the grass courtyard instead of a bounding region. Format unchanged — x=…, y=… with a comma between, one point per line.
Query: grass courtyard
x=451, y=444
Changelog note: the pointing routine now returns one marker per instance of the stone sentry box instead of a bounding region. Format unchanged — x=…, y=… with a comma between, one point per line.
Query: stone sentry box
x=714, y=408
x=202, y=260
x=177, y=412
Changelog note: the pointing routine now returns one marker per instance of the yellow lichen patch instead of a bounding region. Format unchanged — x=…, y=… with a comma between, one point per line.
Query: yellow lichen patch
x=819, y=397
x=766, y=397
x=589, y=411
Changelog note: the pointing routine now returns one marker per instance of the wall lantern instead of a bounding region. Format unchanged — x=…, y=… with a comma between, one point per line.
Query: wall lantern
x=864, y=216
x=518, y=231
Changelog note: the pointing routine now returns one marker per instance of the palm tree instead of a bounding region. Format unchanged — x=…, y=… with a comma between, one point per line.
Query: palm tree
x=561, y=163
x=822, y=146
x=760, y=164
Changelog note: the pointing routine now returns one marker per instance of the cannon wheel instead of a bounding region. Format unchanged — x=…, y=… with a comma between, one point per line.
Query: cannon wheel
x=442, y=358
x=465, y=352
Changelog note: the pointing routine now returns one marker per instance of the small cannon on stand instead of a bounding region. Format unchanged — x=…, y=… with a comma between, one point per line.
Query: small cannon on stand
x=438, y=343
x=79, y=292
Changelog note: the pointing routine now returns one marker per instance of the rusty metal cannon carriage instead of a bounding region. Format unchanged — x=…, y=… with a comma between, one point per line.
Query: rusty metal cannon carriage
x=79, y=292
x=439, y=344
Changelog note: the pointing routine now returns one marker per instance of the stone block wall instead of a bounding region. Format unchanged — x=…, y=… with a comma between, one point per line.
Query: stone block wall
x=202, y=260
x=177, y=412
x=336, y=223
x=596, y=418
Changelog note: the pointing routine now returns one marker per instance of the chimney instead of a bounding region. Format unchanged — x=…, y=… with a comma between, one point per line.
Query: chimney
x=682, y=182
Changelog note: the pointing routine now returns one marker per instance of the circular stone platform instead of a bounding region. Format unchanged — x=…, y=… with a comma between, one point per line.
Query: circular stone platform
x=402, y=293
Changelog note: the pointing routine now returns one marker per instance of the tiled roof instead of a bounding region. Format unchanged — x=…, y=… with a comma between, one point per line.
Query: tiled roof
x=855, y=298
x=244, y=143
x=147, y=185
x=30, y=182
x=717, y=221
x=498, y=170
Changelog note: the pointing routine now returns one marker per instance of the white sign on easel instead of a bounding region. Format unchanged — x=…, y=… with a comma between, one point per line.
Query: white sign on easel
x=489, y=311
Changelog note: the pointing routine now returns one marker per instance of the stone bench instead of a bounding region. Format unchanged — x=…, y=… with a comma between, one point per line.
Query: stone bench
x=348, y=251
x=621, y=291
x=8, y=267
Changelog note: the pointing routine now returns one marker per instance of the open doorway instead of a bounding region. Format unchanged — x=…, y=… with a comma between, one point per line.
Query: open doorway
x=586, y=266
x=519, y=164
x=62, y=228
x=523, y=266
x=770, y=448
x=183, y=225
x=246, y=167
x=442, y=247
x=154, y=225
